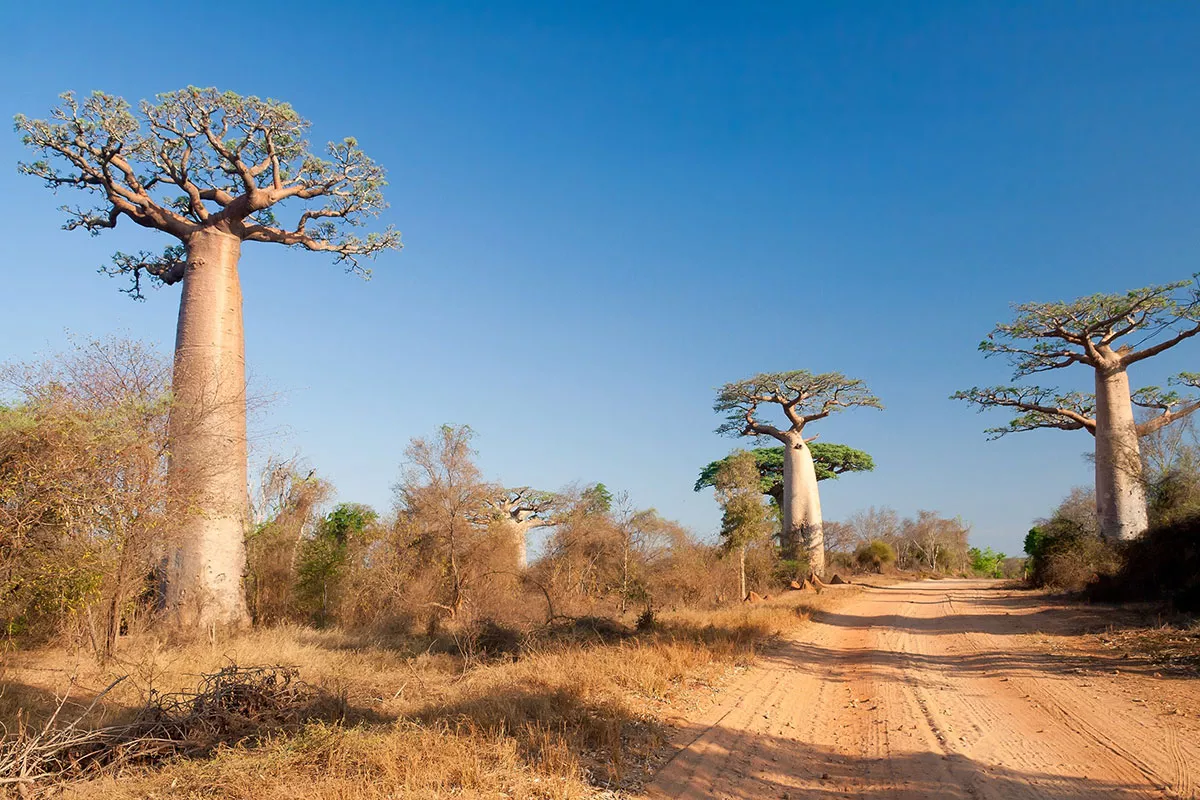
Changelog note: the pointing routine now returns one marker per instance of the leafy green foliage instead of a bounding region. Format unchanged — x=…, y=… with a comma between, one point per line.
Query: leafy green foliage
x=1067, y=551
x=738, y=487
x=829, y=459
x=323, y=557
x=875, y=555
x=597, y=499
x=1035, y=541
x=987, y=562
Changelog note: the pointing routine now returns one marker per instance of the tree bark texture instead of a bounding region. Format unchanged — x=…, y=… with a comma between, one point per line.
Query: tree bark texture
x=208, y=472
x=1120, y=489
x=802, y=506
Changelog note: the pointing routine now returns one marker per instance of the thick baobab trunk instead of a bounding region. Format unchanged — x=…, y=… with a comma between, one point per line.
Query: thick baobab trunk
x=802, y=506
x=517, y=534
x=208, y=438
x=1120, y=490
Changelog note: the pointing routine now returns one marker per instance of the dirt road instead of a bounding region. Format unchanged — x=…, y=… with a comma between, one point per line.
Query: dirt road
x=944, y=689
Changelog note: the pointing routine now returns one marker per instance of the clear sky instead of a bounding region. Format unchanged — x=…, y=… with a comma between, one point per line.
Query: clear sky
x=610, y=209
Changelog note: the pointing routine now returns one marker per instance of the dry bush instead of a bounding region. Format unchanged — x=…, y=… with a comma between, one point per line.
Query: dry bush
x=83, y=492
x=1072, y=560
x=1163, y=566
x=287, y=506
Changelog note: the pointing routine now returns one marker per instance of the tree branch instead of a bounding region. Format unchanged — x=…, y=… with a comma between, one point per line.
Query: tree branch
x=1043, y=408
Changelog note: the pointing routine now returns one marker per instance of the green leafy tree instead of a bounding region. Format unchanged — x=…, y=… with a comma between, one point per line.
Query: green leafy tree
x=1107, y=333
x=597, y=499
x=212, y=170
x=322, y=559
x=986, y=562
x=743, y=516
x=875, y=555
x=803, y=398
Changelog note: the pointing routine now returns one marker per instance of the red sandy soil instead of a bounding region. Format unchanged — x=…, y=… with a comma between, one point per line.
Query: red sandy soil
x=944, y=689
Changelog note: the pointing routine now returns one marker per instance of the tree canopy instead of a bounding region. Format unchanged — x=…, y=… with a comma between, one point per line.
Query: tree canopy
x=199, y=159
x=1095, y=331
x=830, y=460
x=803, y=396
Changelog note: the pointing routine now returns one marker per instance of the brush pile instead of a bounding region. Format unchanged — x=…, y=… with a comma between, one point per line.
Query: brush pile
x=235, y=704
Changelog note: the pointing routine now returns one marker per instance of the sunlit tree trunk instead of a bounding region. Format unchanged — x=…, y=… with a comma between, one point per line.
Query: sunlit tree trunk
x=742, y=571
x=802, y=506
x=1120, y=489
x=517, y=534
x=208, y=437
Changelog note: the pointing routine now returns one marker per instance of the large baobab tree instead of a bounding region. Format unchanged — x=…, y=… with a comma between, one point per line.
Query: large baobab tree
x=804, y=398
x=518, y=511
x=211, y=170
x=1107, y=333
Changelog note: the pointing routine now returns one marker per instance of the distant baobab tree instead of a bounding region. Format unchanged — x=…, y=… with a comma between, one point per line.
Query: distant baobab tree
x=518, y=511
x=212, y=170
x=1096, y=331
x=804, y=398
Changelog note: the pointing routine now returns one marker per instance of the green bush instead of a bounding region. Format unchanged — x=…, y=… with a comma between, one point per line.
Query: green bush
x=987, y=562
x=1069, y=559
x=874, y=555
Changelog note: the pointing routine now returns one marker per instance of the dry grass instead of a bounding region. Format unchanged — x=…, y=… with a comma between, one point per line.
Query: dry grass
x=1174, y=648
x=563, y=719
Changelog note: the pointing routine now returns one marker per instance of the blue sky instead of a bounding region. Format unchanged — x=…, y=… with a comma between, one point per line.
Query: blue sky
x=610, y=209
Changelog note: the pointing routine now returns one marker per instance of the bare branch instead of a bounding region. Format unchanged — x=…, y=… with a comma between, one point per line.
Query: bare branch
x=235, y=159
x=1047, y=336
x=1170, y=404
x=167, y=268
x=1042, y=407
x=803, y=397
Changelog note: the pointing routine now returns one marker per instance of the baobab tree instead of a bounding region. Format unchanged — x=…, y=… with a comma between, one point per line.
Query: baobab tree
x=1107, y=333
x=804, y=398
x=829, y=461
x=518, y=511
x=211, y=170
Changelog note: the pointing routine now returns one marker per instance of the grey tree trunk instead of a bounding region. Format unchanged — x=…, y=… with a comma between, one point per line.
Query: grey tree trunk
x=1120, y=488
x=802, y=505
x=207, y=469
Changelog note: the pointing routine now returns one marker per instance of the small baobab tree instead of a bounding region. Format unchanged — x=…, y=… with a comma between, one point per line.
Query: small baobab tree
x=1107, y=333
x=516, y=512
x=212, y=170
x=804, y=398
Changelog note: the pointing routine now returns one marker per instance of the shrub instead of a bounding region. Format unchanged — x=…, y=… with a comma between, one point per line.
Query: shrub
x=1162, y=566
x=874, y=555
x=987, y=562
x=1071, y=559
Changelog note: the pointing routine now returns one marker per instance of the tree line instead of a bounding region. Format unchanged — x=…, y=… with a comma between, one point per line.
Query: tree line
x=214, y=170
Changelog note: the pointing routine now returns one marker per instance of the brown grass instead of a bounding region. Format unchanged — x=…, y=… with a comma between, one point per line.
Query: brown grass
x=565, y=718
x=1174, y=648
